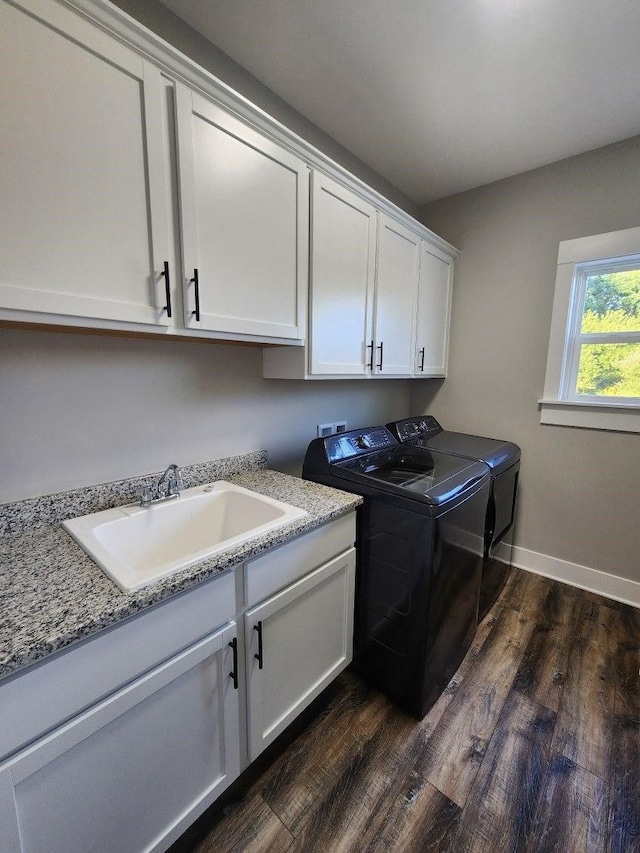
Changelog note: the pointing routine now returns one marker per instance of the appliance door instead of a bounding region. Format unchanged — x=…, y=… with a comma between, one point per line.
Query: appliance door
x=505, y=487
x=498, y=537
x=431, y=478
x=417, y=593
x=496, y=453
x=414, y=473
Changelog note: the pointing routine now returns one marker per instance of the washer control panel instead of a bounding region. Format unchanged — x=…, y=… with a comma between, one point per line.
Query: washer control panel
x=350, y=444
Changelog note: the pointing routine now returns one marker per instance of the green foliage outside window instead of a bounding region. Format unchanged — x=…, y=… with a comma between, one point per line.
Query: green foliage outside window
x=612, y=304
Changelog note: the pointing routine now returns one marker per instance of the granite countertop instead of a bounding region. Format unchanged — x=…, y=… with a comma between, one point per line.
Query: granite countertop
x=52, y=594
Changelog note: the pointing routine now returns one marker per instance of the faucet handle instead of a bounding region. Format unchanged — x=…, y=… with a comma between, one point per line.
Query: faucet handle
x=146, y=495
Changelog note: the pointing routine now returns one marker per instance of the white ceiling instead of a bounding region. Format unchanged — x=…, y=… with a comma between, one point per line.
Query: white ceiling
x=439, y=96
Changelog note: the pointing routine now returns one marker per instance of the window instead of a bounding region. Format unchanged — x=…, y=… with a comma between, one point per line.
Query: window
x=593, y=365
x=604, y=360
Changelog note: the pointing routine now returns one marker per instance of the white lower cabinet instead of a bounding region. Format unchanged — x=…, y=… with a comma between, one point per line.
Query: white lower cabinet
x=297, y=641
x=118, y=744
x=131, y=773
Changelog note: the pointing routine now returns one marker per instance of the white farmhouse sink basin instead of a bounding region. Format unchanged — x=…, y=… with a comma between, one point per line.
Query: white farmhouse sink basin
x=136, y=545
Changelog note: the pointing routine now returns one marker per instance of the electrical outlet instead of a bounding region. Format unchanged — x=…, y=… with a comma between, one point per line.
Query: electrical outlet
x=340, y=426
x=324, y=430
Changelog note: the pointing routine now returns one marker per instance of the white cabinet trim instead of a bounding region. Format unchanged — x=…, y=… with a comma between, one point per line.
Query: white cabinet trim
x=9, y=831
x=152, y=93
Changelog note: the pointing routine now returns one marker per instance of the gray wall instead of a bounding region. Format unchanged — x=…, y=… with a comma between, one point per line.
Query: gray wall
x=579, y=487
x=78, y=410
x=173, y=30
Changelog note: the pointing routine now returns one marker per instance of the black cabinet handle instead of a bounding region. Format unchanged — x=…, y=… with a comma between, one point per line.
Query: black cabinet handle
x=421, y=359
x=259, y=656
x=196, y=283
x=234, y=672
x=370, y=362
x=167, y=287
x=379, y=366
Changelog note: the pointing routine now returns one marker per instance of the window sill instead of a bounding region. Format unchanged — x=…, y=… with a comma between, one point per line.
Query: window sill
x=618, y=418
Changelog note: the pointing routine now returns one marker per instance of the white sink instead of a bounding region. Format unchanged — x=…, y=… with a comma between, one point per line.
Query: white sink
x=136, y=545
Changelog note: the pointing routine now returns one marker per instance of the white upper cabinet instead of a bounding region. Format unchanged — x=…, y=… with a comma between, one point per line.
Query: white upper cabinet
x=83, y=217
x=343, y=233
x=244, y=209
x=364, y=274
x=398, y=263
x=141, y=194
x=434, y=312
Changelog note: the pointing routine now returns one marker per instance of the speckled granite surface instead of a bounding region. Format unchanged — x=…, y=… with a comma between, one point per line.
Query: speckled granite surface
x=52, y=594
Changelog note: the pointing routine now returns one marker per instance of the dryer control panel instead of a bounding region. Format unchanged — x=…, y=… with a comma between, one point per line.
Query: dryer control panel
x=421, y=427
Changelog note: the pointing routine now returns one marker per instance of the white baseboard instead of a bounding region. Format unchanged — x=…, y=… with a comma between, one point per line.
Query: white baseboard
x=612, y=586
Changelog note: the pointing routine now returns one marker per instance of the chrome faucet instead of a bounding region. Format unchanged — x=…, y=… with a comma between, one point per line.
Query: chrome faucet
x=167, y=487
x=170, y=483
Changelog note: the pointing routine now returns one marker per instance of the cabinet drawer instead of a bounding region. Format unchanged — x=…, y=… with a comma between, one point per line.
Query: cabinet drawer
x=47, y=694
x=286, y=564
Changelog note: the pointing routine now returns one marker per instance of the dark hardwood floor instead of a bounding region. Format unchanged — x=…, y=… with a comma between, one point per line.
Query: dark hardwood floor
x=534, y=746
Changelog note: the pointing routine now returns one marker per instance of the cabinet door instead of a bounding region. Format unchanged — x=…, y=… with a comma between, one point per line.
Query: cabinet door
x=245, y=223
x=132, y=772
x=434, y=308
x=343, y=229
x=297, y=642
x=83, y=215
x=398, y=264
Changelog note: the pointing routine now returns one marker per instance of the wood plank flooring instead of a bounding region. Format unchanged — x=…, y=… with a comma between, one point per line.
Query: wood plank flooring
x=534, y=747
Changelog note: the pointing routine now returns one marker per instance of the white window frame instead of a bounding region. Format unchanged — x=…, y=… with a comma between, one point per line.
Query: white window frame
x=600, y=253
